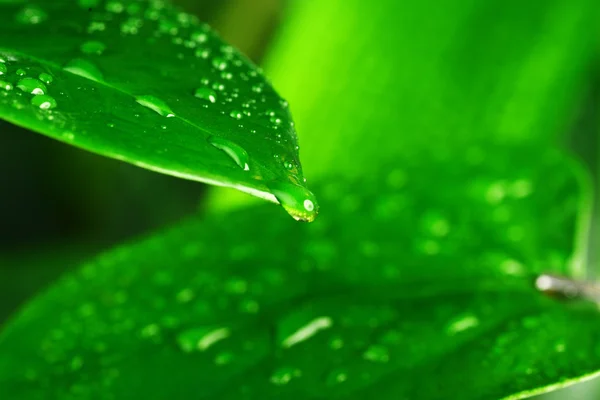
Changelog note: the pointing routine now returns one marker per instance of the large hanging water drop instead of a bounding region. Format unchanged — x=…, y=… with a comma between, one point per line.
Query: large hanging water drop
x=298, y=201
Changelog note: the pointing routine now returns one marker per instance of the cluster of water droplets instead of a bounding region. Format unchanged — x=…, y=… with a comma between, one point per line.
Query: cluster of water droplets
x=12, y=77
x=229, y=307
x=228, y=85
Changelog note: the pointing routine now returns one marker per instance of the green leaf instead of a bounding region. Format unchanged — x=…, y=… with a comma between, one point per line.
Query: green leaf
x=147, y=84
x=399, y=290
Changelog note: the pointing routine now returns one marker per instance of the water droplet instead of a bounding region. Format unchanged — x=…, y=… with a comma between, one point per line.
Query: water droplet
x=512, y=267
x=496, y=192
x=150, y=331
x=298, y=201
x=31, y=15
x=202, y=53
x=236, y=114
x=93, y=47
x=435, y=224
x=307, y=331
x=283, y=376
x=5, y=85
x=336, y=343
x=46, y=78
x=462, y=324
x=84, y=69
x=219, y=63
x=131, y=26
x=199, y=37
x=521, y=188
x=76, y=363
x=218, y=86
x=336, y=377
x=21, y=72
x=377, y=353
x=201, y=338
x=169, y=27
x=96, y=26
x=185, y=295
x=155, y=104
x=236, y=286
x=32, y=85
x=249, y=306
x=236, y=152
x=224, y=358
x=114, y=7
x=3, y=69
x=43, y=102
x=207, y=94
x=288, y=165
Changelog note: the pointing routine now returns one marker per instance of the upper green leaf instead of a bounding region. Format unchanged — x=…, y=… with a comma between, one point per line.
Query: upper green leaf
x=402, y=290
x=143, y=82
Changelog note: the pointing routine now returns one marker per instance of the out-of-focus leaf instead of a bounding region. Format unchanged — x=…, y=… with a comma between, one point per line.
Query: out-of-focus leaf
x=369, y=83
x=399, y=281
x=143, y=82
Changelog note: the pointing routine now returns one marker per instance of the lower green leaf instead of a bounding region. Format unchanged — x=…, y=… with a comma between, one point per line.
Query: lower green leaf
x=416, y=283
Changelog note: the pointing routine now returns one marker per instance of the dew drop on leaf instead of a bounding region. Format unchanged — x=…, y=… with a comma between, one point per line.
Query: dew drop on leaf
x=336, y=343
x=235, y=114
x=31, y=15
x=32, y=85
x=377, y=353
x=219, y=63
x=84, y=69
x=462, y=323
x=3, y=69
x=21, y=72
x=5, y=85
x=224, y=358
x=236, y=152
x=307, y=331
x=282, y=376
x=155, y=104
x=336, y=377
x=150, y=331
x=199, y=36
x=202, y=53
x=249, y=306
x=43, y=102
x=115, y=7
x=46, y=78
x=93, y=47
x=206, y=94
x=201, y=338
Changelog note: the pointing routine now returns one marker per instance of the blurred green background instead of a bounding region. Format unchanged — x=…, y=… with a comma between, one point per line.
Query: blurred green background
x=61, y=204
